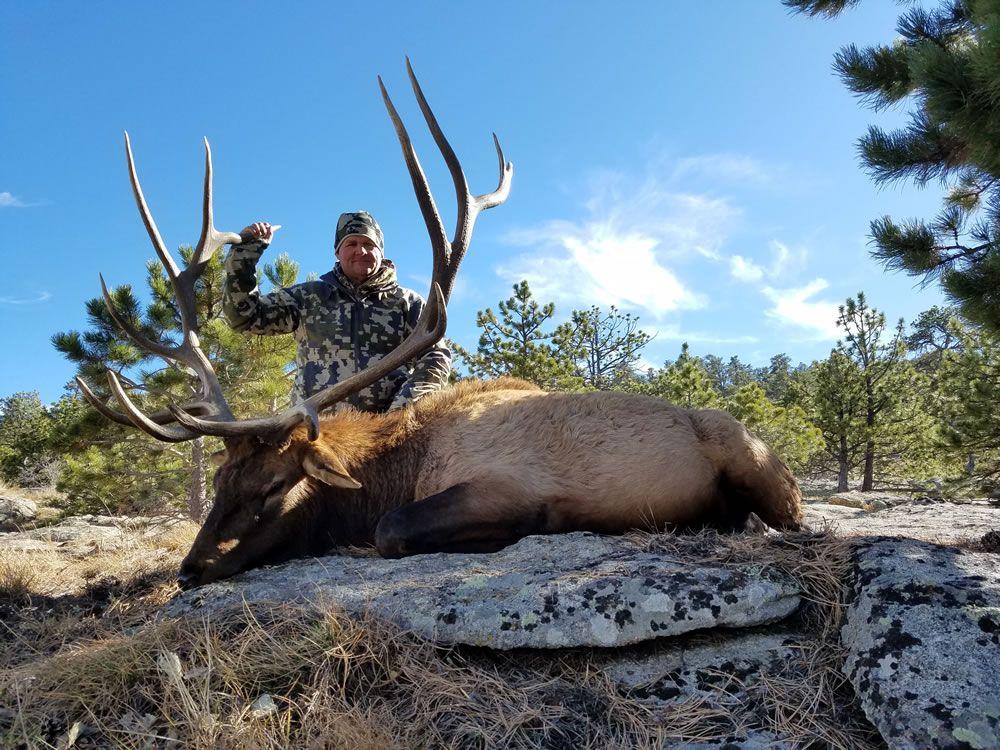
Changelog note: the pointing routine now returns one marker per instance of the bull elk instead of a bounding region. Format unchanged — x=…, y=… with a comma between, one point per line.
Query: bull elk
x=471, y=468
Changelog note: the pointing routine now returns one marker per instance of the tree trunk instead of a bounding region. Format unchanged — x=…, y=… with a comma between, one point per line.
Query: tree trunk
x=842, y=465
x=197, y=495
x=868, y=483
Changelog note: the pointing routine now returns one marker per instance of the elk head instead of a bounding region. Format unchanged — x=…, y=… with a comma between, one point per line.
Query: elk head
x=273, y=463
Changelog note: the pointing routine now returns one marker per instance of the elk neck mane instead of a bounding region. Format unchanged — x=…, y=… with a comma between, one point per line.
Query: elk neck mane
x=384, y=452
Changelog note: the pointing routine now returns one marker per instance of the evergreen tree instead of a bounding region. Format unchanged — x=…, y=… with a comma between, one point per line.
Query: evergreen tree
x=970, y=392
x=683, y=382
x=932, y=334
x=878, y=362
x=516, y=344
x=786, y=429
x=251, y=370
x=837, y=400
x=945, y=60
x=776, y=378
x=25, y=429
x=603, y=346
x=726, y=377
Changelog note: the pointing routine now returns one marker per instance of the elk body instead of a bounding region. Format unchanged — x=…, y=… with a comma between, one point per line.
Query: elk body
x=471, y=468
x=482, y=464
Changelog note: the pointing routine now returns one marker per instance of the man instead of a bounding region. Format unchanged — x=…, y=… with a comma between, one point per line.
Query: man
x=355, y=314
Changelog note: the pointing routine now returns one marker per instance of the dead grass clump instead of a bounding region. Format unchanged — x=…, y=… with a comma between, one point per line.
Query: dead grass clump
x=18, y=578
x=333, y=681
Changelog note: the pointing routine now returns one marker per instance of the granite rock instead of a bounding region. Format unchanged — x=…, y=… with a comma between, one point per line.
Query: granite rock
x=922, y=634
x=543, y=592
x=16, y=511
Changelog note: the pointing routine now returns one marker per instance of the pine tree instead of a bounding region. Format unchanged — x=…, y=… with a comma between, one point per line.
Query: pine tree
x=837, y=400
x=603, y=346
x=251, y=370
x=776, y=378
x=878, y=362
x=726, y=377
x=786, y=429
x=684, y=382
x=517, y=345
x=946, y=62
x=970, y=392
x=25, y=429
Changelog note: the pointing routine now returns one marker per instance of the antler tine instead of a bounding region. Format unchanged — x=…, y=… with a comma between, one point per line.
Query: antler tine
x=154, y=234
x=435, y=227
x=166, y=433
x=188, y=352
x=103, y=408
x=498, y=196
x=143, y=342
x=211, y=239
x=468, y=206
x=163, y=416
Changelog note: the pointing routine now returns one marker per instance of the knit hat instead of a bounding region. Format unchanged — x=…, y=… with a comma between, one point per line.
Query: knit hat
x=358, y=222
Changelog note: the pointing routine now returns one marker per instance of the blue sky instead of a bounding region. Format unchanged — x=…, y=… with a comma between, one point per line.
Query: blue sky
x=692, y=163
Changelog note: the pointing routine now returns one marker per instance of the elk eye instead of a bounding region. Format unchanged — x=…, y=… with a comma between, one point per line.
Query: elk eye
x=256, y=518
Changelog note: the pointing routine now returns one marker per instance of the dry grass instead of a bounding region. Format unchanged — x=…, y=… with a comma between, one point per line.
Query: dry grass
x=85, y=653
x=335, y=681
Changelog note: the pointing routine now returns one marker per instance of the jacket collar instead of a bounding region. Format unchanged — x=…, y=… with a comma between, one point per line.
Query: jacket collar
x=383, y=280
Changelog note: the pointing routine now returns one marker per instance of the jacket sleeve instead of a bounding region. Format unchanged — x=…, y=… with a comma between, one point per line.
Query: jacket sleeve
x=430, y=372
x=244, y=306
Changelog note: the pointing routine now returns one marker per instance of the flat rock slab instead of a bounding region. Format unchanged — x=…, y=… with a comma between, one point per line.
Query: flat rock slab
x=708, y=670
x=941, y=522
x=922, y=634
x=543, y=592
x=715, y=673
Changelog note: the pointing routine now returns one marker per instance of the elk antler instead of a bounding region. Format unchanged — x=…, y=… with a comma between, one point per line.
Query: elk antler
x=431, y=326
x=216, y=418
x=211, y=402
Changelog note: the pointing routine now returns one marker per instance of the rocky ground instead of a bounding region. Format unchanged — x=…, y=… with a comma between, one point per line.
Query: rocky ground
x=880, y=627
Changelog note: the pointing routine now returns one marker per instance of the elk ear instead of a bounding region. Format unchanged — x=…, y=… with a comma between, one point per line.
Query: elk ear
x=219, y=457
x=328, y=469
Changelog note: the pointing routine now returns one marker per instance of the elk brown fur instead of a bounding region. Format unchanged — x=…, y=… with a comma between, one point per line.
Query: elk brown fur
x=481, y=464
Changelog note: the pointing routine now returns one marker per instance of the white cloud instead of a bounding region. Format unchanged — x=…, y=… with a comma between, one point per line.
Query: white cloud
x=626, y=250
x=725, y=167
x=783, y=259
x=793, y=307
x=7, y=200
x=40, y=297
x=744, y=270
x=674, y=333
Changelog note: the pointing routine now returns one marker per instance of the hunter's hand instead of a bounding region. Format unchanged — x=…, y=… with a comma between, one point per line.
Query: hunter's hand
x=260, y=230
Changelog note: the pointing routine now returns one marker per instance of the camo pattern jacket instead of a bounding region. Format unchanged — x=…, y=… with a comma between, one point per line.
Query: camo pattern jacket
x=340, y=328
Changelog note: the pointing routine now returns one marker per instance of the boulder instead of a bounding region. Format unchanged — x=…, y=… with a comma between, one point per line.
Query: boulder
x=543, y=592
x=15, y=512
x=922, y=634
x=941, y=522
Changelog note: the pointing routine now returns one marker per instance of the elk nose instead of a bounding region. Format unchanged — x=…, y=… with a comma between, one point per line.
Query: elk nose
x=186, y=579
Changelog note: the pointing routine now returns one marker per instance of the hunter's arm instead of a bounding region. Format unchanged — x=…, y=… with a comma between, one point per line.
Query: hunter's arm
x=244, y=306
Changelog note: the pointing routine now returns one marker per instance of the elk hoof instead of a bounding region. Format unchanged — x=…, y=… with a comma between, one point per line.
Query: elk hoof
x=390, y=538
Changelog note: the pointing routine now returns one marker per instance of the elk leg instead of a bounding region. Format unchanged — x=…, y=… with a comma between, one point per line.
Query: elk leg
x=463, y=518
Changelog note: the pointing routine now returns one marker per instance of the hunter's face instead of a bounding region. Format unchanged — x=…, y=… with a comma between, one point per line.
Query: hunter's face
x=360, y=257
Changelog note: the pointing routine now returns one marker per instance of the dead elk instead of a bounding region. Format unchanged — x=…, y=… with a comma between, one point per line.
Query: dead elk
x=469, y=469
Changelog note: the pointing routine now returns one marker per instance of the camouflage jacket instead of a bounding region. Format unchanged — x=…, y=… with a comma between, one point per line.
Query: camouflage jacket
x=339, y=328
